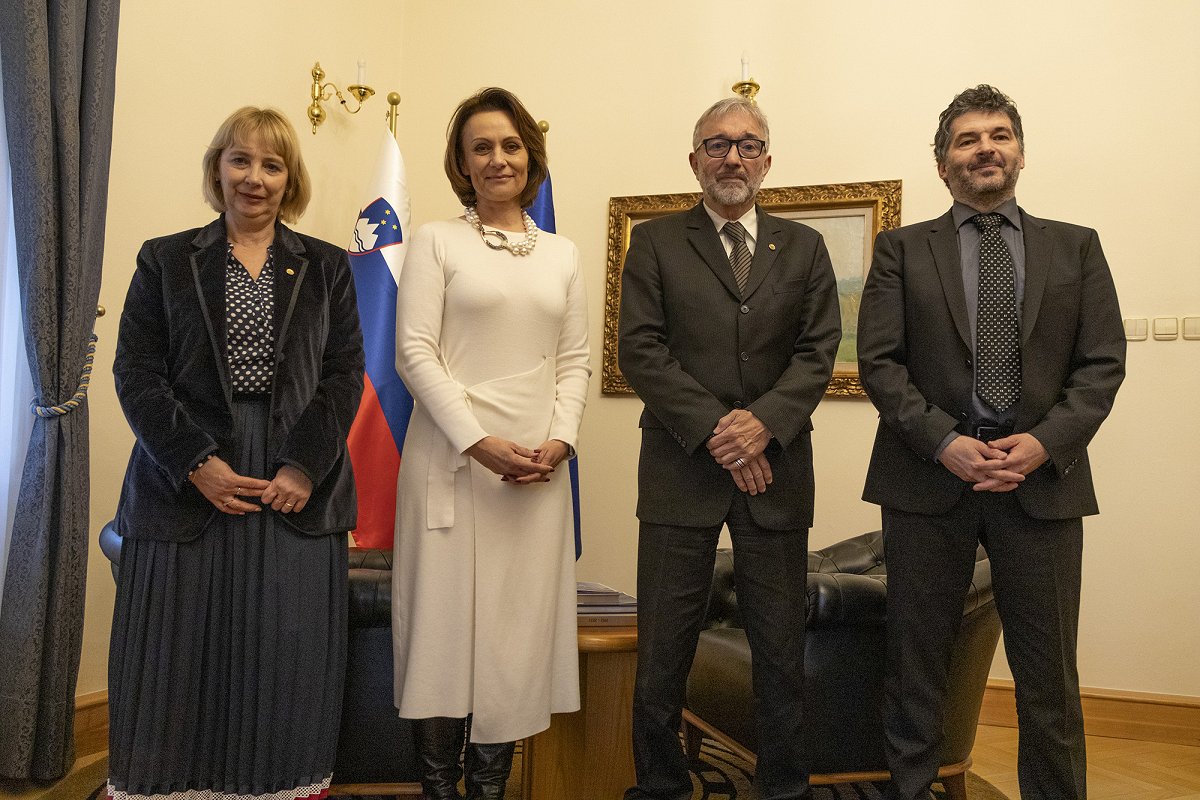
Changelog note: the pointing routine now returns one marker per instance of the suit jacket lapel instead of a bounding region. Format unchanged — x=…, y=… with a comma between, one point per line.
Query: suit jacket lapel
x=943, y=243
x=707, y=242
x=208, y=273
x=766, y=247
x=290, y=266
x=1038, y=252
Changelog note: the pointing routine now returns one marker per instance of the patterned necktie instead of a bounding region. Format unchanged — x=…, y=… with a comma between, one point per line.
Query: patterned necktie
x=997, y=335
x=739, y=256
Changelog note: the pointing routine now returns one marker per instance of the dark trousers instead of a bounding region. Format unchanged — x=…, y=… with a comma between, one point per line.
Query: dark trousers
x=675, y=569
x=1036, y=567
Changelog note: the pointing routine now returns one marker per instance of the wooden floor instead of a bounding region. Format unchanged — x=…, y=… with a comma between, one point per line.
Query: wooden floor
x=1118, y=769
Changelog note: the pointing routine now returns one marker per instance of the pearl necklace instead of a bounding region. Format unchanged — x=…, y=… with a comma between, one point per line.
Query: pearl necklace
x=498, y=241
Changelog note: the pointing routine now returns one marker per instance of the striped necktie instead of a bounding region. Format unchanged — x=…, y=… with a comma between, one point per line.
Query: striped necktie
x=739, y=256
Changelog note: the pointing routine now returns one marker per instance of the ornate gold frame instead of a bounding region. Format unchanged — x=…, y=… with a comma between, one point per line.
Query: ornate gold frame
x=879, y=201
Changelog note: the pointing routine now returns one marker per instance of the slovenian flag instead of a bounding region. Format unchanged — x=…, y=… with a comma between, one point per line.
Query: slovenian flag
x=542, y=212
x=377, y=435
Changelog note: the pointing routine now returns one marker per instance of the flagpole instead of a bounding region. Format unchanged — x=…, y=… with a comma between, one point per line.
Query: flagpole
x=542, y=212
x=393, y=99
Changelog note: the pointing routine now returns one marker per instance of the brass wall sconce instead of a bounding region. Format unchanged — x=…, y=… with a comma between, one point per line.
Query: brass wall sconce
x=326, y=91
x=747, y=89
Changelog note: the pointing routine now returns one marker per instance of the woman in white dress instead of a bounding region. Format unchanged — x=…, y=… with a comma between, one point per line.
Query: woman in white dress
x=491, y=339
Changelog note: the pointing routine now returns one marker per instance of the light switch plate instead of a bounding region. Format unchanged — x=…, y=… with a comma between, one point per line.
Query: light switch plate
x=1135, y=329
x=1166, y=328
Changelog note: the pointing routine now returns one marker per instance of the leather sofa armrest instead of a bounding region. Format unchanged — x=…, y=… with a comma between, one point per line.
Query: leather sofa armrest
x=843, y=599
x=859, y=555
x=110, y=545
x=370, y=558
x=847, y=585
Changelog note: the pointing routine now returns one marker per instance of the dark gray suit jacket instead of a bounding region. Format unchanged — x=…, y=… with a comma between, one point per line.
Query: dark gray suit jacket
x=693, y=350
x=915, y=361
x=172, y=378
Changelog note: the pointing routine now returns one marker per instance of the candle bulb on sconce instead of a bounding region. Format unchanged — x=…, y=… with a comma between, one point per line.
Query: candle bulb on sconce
x=360, y=90
x=746, y=87
x=324, y=91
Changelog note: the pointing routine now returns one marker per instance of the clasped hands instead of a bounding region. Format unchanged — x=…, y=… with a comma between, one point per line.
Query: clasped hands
x=287, y=492
x=517, y=464
x=737, y=444
x=996, y=466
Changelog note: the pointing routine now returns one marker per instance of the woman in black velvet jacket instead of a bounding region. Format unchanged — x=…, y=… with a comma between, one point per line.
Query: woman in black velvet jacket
x=239, y=367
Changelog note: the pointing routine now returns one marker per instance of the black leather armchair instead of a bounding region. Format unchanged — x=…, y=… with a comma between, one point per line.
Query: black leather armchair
x=843, y=664
x=375, y=754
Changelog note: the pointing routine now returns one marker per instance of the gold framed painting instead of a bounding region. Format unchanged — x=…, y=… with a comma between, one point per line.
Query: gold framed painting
x=848, y=216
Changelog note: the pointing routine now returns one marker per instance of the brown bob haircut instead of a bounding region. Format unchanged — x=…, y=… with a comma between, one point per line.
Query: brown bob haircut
x=494, y=99
x=276, y=134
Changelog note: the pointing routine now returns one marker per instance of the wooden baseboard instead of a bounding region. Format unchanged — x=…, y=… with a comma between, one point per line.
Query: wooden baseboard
x=91, y=723
x=1145, y=716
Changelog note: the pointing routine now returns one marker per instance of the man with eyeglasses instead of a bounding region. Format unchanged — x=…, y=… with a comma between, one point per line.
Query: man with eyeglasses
x=728, y=329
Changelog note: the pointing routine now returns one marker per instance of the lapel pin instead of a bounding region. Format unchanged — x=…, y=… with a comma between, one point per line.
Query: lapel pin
x=771, y=246
x=291, y=271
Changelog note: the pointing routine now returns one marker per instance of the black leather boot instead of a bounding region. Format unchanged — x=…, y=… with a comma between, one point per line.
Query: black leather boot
x=488, y=766
x=439, y=743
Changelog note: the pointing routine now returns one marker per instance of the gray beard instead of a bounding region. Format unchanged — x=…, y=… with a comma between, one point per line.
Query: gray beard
x=730, y=194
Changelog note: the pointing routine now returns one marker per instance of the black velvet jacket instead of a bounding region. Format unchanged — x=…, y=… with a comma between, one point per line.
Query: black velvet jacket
x=172, y=378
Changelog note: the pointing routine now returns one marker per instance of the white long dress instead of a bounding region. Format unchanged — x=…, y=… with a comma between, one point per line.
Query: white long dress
x=483, y=581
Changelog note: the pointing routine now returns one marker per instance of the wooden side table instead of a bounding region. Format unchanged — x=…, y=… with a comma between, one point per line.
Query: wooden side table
x=588, y=755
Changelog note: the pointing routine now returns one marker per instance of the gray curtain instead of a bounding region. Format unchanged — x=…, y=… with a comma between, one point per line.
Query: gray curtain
x=59, y=60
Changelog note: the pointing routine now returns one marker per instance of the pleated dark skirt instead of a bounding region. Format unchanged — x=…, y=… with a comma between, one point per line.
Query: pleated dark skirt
x=228, y=655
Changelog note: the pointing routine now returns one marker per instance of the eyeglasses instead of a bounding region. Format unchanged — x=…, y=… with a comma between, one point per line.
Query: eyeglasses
x=718, y=147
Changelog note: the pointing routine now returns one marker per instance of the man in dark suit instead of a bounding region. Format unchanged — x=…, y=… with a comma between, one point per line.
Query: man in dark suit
x=992, y=345
x=729, y=326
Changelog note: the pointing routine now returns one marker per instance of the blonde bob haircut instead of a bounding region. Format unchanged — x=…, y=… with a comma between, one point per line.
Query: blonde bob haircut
x=275, y=133
x=493, y=99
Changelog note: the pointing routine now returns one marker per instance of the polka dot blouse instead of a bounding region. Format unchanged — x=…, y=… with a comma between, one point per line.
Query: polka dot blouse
x=249, y=315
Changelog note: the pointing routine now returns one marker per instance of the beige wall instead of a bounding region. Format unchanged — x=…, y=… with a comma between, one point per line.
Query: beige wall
x=853, y=91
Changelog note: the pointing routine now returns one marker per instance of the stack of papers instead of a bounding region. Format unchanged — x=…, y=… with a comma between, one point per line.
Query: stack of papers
x=599, y=605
